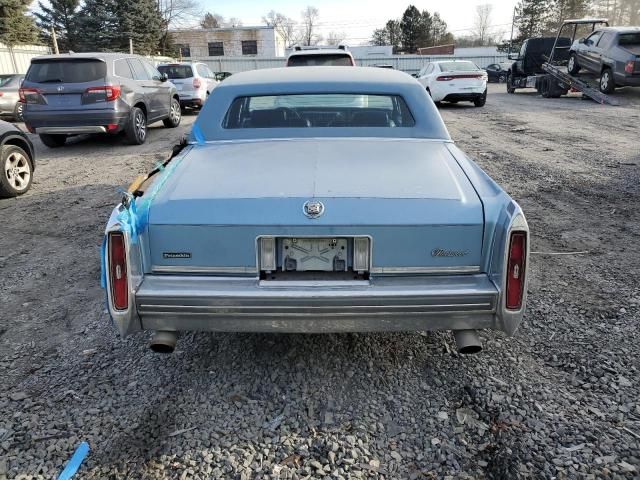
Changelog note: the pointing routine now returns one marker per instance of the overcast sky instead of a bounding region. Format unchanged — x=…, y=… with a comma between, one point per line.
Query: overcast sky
x=358, y=18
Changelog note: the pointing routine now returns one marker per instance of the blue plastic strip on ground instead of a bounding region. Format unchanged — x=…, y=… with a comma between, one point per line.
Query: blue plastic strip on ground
x=76, y=460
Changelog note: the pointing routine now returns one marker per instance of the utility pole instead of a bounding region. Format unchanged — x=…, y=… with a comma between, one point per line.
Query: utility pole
x=55, y=41
x=130, y=46
x=513, y=21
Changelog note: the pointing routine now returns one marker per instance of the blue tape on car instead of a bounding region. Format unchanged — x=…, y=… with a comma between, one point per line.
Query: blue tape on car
x=135, y=218
x=197, y=134
x=76, y=460
x=103, y=257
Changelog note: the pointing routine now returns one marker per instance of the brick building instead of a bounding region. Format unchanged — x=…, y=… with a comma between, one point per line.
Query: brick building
x=229, y=42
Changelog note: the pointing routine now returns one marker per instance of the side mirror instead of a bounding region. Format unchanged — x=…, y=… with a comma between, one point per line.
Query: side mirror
x=164, y=77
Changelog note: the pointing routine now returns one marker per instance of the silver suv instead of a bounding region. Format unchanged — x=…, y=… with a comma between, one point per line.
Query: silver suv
x=80, y=93
x=194, y=81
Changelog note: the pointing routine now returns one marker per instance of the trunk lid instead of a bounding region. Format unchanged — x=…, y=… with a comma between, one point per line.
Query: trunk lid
x=410, y=196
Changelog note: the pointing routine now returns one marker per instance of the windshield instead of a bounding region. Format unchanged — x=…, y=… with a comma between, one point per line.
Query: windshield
x=79, y=70
x=458, y=66
x=176, y=71
x=331, y=60
x=629, y=39
x=318, y=110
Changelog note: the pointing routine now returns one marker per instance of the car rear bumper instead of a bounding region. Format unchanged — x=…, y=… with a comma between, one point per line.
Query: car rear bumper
x=74, y=122
x=627, y=80
x=407, y=303
x=463, y=97
x=191, y=102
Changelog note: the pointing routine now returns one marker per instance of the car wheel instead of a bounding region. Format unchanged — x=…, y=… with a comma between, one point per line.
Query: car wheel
x=53, y=141
x=510, y=87
x=480, y=101
x=17, y=172
x=607, y=84
x=572, y=66
x=18, y=112
x=175, y=115
x=136, y=129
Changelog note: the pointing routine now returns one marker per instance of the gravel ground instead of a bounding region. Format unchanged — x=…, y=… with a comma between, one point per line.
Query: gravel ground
x=558, y=400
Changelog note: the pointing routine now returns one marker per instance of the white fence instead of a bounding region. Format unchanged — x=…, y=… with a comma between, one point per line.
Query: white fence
x=16, y=59
x=406, y=63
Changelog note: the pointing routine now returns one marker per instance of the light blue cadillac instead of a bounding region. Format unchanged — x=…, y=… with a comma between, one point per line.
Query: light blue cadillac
x=320, y=199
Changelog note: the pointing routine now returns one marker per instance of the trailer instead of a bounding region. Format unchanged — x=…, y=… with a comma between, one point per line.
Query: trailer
x=537, y=67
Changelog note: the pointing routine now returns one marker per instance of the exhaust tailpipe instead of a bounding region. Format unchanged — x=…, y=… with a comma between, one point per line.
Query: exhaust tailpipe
x=467, y=341
x=163, y=341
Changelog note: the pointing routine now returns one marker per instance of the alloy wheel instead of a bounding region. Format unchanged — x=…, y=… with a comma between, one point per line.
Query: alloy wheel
x=175, y=112
x=141, y=126
x=17, y=171
x=604, y=81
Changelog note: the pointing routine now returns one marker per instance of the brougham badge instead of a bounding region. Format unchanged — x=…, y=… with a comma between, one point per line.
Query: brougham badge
x=313, y=209
x=441, y=252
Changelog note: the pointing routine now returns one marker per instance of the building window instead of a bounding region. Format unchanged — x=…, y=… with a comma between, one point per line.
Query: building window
x=249, y=47
x=184, y=49
x=216, y=49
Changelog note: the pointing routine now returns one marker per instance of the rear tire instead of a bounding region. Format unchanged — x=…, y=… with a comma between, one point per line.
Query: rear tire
x=607, y=84
x=480, y=102
x=16, y=173
x=18, y=112
x=136, y=128
x=53, y=141
x=573, y=67
x=175, y=115
x=510, y=87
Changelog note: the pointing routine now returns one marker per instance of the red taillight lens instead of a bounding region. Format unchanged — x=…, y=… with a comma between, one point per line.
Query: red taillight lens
x=110, y=92
x=628, y=68
x=516, y=270
x=444, y=78
x=29, y=95
x=1, y=93
x=196, y=83
x=118, y=271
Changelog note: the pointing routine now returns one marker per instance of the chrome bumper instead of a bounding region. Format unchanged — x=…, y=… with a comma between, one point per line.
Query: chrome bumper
x=169, y=302
x=72, y=130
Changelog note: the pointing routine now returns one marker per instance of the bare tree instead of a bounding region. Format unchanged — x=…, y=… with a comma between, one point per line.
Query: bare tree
x=335, y=38
x=285, y=26
x=482, y=22
x=179, y=13
x=310, y=17
x=233, y=22
x=210, y=20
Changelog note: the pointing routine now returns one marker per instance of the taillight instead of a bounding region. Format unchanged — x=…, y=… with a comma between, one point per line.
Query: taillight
x=444, y=78
x=106, y=93
x=29, y=95
x=629, y=66
x=1, y=94
x=196, y=83
x=118, y=271
x=516, y=270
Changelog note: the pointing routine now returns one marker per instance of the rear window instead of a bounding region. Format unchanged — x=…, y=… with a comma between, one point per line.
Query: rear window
x=176, y=71
x=5, y=80
x=629, y=39
x=67, y=71
x=318, y=110
x=329, y=60
x=458, y=67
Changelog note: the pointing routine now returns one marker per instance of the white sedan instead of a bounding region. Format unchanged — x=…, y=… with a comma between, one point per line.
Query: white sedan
x=455, y=81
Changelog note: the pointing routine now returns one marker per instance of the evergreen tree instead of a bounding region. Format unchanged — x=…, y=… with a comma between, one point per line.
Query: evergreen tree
x=531, y=18
x=411, y=27
x=60, y=15
x=140, y=21
x=16, y=27
x=98, y=26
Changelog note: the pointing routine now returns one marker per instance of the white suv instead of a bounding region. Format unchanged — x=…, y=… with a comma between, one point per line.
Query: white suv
x=193, y=80
x=325, y=57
